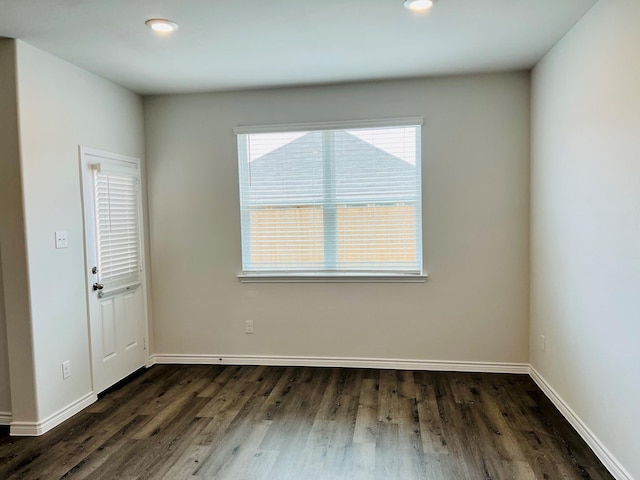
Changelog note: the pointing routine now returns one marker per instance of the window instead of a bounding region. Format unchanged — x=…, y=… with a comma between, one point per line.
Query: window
x=331, y=199
x=116, y=203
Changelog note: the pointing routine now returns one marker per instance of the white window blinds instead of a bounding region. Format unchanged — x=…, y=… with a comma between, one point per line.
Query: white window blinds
x=331, y=200
x=117, y=227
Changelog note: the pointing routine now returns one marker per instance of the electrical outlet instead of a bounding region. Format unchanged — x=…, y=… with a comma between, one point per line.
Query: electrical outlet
x=248, y=326
x=543, y=343
x=66, y=369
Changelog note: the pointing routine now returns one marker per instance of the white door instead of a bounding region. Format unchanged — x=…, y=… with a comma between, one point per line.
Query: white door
x=115, y=265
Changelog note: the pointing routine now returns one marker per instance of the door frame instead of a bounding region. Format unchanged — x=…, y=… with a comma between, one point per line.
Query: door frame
x=87, y=156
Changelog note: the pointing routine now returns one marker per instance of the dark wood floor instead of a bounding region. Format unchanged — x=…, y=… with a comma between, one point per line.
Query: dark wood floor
x=218, y=422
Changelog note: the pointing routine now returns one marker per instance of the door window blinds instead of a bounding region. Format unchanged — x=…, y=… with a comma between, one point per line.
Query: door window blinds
x=117, y=225
x=331, y=200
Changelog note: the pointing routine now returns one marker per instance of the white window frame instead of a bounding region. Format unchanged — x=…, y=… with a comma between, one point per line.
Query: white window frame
x=328, y=277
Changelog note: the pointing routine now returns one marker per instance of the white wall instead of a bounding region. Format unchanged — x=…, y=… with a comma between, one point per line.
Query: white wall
x=8, y=136
x=476, y=203
x=586, y=224
x=61, y=107
x=15, y=296
x=5, y=387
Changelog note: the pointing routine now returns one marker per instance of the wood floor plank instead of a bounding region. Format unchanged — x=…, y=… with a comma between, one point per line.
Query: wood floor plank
x=361, y=462
x=410, y=452
x=367, y=417
x=388, y=397
x=430, y=421
x=261, y=465
x=338, y=457
x=238, y=463
x=218, y=381
x=188, y=463
x=387, y=462
x=288, y=423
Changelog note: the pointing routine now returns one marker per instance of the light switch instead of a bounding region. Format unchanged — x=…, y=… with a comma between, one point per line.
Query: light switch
x=61, y=239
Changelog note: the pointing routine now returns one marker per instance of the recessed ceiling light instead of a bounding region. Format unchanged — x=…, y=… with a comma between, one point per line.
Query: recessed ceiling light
x=161, y=25
x=419, y=5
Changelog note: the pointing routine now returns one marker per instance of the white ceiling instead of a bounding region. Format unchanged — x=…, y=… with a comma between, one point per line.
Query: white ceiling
x=234, y=44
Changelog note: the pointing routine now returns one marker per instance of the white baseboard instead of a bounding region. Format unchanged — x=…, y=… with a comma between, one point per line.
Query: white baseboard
x=33, y=429
x=348, y=362
x=602, y=452
x=5, y=418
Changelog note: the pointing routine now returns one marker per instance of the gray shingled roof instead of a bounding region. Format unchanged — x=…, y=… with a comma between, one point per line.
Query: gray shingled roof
x=360, y=169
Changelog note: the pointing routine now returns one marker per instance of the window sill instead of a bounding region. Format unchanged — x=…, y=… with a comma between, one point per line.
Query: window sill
x=324, y=278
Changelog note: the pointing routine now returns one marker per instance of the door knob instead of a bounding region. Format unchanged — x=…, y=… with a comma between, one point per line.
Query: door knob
x=98, y=286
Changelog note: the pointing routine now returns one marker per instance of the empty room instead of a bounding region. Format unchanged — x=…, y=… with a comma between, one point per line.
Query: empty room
x=384, y=239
